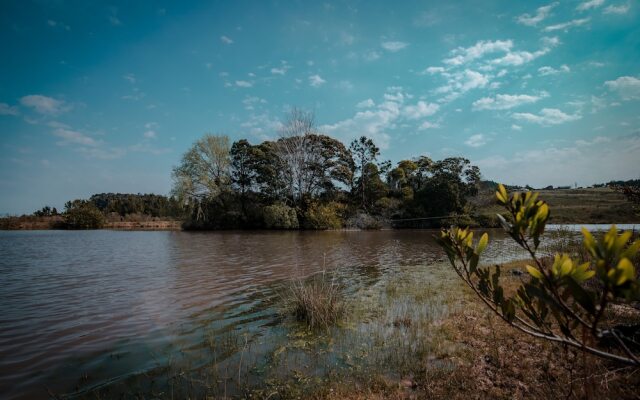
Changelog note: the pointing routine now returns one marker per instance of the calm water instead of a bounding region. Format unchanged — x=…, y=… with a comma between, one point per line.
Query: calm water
x=85, y=309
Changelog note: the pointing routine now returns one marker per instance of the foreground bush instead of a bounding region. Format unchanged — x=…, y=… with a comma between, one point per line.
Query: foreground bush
x=280, y=216
x=555, y=303
x=317, y=301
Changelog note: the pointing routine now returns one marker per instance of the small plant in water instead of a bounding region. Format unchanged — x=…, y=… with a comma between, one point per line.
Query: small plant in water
x=318, y=301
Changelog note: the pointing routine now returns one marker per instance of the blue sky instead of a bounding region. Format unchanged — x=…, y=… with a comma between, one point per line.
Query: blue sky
x=105, y=97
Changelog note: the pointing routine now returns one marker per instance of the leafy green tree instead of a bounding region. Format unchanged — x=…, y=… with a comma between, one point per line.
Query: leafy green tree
x=82, y=214
x=204, y=171
x=366, y=171
x=563, y=301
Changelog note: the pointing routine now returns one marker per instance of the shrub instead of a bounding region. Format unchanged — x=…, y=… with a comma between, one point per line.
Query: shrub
x=317, y=301
x=82, y=214
x=280, y=216
x=323, y=216
x=564, y=300
x=363, y=220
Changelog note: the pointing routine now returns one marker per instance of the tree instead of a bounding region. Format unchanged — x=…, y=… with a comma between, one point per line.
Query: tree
x=82, y=214
x=365, y=154
x=243, y=169
x=204, y=171
x=563, y=301
x=311, y=163
x=293, y=151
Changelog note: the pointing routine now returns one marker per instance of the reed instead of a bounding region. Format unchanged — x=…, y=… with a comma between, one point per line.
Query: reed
x=317, y=301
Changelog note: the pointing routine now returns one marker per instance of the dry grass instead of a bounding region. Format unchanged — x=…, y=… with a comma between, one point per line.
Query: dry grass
x=573, y=206
x=317, y=301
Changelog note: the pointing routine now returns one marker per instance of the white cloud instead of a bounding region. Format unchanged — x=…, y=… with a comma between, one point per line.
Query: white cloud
x=420, y=110
x=567, y=25
x=434, y=70
x=477, y=140
x=516, y=127
x=278, y=71
x=45, y=105
x=539, y=16
x=377, y=121
x=346, y=39
x=371, y=56
x=135, y=96
x=374, y=122
x=428, y=125
x=244, y=84
x=596, y=140
x=74, y=137
x=55, y=24
x=368, y=103
x=461, y=82
x=394, y=46
x=587, y=5
x=129, y=77
x=547, y=117
x=316, y=80
x=115, y=21
x=345, y=85
x=6, y=109
x=463, y=55
x=546, y=70
x=262, y=126
x=617, y=9
x=150, y=134
x=551, y=41
x=627, y=87
x=251, y=101
x=519, y=57
x=226, y=40
x=506, y=101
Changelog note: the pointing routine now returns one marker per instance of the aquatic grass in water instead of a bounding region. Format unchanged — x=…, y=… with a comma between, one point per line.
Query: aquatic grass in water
x=318, y=301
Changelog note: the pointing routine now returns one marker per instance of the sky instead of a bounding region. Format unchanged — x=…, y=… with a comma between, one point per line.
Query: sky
x=107, y=96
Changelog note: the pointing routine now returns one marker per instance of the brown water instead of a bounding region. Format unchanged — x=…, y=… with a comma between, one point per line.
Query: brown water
x=80, y=310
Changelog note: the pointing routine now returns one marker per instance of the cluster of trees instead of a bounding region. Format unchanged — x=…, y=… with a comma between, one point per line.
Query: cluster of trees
x=100, y=208
x=124, y=204
x=305, y=179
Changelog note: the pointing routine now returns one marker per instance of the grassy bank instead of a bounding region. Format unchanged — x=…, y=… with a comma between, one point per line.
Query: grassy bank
x=572, y=206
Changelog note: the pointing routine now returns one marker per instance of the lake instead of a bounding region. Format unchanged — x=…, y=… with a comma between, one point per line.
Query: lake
x=83, y=310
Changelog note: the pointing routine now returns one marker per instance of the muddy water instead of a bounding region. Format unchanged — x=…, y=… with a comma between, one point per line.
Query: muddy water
x=82, y=310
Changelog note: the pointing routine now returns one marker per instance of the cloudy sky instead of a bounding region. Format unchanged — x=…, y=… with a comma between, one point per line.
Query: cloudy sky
x=98, y=97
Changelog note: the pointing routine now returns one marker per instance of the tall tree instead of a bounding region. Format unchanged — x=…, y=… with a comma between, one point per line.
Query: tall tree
x=364, y=152
x=204, y=171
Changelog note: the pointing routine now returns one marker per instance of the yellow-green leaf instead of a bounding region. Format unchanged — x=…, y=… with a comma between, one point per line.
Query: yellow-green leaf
x=535, y=272
x=626, y=271
x=482, y=243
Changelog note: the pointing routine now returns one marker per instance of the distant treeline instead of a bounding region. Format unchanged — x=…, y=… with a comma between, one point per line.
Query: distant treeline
x=125, y=204
x=630, y=183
